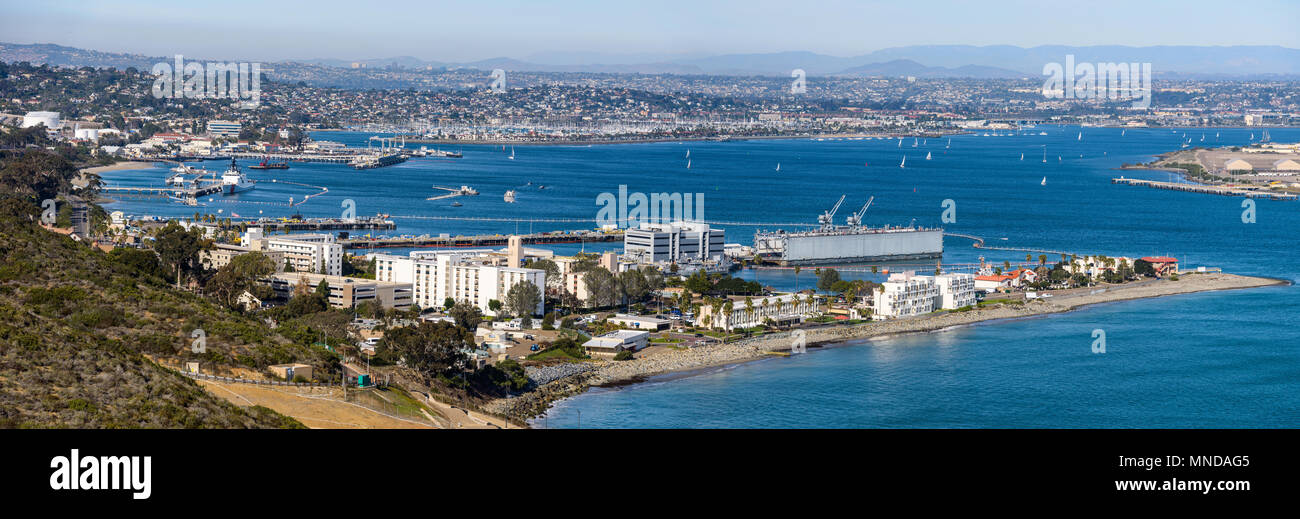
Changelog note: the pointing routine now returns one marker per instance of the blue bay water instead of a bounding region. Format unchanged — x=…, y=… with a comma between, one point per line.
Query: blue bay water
x=1224, y=359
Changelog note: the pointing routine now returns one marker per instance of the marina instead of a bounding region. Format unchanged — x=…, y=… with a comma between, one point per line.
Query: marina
x=490, y=240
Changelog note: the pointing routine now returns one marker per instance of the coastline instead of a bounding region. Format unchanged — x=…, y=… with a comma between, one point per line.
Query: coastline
x=611, y=373
x=730, y=138
x=131, y=164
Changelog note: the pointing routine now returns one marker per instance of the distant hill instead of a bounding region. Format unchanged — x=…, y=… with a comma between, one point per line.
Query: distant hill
x=907, y=67
x=931, y=61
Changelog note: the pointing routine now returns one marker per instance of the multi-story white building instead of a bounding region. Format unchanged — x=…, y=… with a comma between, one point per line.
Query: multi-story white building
x=955, y=291
x=781, y=309
x=464, y=276
x=673, y=242
x=224, y=128
x=905, y=294
x=313, y=253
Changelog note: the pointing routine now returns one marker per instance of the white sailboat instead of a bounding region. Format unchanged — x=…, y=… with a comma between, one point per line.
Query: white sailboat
x=927, y=155
x=1122, y=132
x=778, y=166
x=900, y=142
x=949, y=144
x=904, y=162
x=510, y=196
x=1080, y=137
x=1044, y=154
x=512, y=153
x=1044, y=182
x=688, y=164
x=1022, y=156
x=914, y=142
x=688, y=154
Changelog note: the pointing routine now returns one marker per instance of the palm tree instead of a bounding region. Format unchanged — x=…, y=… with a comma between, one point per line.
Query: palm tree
x=796, y=277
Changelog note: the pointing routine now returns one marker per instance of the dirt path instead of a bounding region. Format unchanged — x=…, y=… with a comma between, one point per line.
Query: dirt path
x=318, y=408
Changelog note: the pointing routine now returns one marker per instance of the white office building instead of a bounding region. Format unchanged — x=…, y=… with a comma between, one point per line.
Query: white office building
x=224, y=128
x=673, y=242
x=464, y=276
x=955, y=291
x=906, y=294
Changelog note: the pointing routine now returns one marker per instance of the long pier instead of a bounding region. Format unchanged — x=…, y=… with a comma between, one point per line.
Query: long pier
x=488, y=240
x=1248, y=192
x=179, y=192
x=326, y=224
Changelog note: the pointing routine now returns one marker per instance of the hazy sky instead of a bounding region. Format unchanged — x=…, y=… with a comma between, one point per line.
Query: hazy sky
x=472, y=30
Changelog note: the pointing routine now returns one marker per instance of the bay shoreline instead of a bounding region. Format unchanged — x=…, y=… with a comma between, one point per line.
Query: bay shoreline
x=683, y=363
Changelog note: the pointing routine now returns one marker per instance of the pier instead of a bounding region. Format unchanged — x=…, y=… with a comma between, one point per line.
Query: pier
x=325, y=224
x=453, y=192
x=177, y=192
x=489, y=240
x=1248, y=192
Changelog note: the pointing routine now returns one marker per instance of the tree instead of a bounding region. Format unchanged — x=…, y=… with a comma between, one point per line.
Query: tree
x=523, y=298
x=467, y=316
x=494, y=305
x=241, y=275
x=448, y=303
x=432, y=348
x=553, y=280
x=179, y=248
x=602, y=288
x=826, y=278
x=796, y=277
x=38, y=175
x=634, y=285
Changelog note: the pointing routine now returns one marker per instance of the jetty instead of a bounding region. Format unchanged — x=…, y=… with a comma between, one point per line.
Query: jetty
x=1228, y=190
x=453, y=192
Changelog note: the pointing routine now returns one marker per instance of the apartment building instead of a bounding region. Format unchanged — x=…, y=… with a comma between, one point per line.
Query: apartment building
x=471, y=276
x=955, y=291
x=313, y=253
x=345, y=292
x=905, y=294
x=221, y=255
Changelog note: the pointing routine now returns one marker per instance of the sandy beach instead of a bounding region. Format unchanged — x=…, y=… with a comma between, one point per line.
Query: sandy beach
x=119, y=166
x=537, y=401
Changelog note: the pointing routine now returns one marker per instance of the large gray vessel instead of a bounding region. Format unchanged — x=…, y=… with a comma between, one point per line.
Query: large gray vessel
x=847, y=244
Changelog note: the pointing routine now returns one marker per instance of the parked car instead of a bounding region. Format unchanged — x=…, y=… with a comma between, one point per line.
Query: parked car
x=533, y=348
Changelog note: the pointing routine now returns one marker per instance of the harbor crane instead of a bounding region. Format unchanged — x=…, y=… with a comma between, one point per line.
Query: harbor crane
x=827, y=219
x=855, y=219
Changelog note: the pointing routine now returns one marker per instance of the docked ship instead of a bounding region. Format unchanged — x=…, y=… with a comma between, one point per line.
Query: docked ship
x=265, y=164
x=233, y=180
x=848, y=244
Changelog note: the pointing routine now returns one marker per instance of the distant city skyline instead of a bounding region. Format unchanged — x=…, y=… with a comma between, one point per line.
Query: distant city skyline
x=590, y=31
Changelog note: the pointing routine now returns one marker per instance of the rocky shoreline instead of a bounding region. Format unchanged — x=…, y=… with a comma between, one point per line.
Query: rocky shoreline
x=605, y=373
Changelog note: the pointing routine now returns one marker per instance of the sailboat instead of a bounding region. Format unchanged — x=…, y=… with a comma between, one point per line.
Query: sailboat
x=1122, y=132
x=1044, y=154
x=900, y=143
x=688, y=163
x=778, y=166
x=913, y=142
x=927, y=155
x=512, y=153
x=1022, y=156
x=510, y=196
x=1044, y=182
x=1080, y=137
x=949, y=144
x=688, y=154
x=904, y=162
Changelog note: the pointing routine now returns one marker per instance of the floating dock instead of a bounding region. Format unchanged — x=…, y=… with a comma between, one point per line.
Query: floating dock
x=1248, y=192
